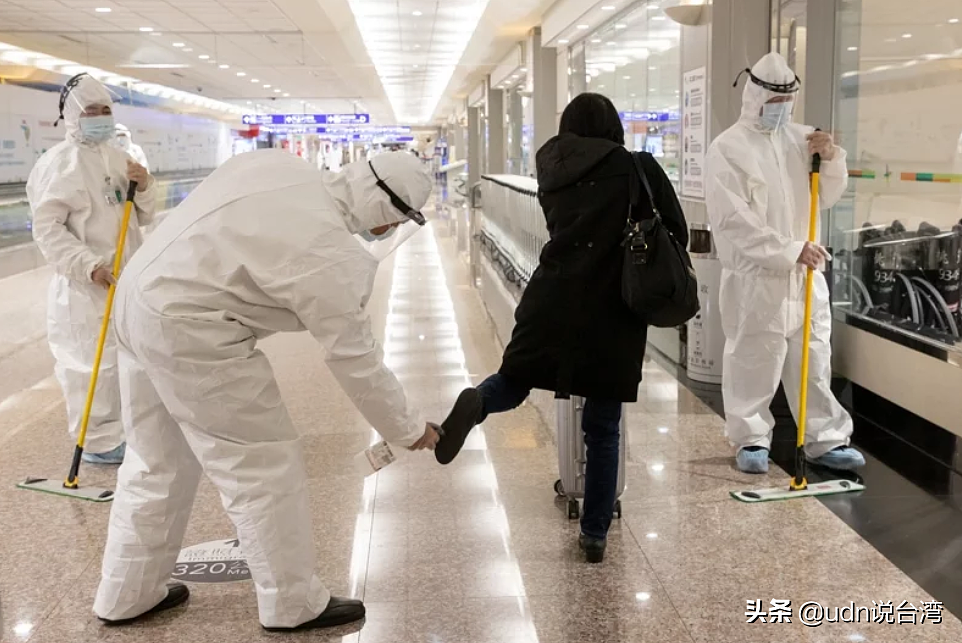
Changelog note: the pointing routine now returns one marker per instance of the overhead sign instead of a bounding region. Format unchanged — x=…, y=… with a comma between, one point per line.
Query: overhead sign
x=343, y=130
x=306, y=119
x=648, y=116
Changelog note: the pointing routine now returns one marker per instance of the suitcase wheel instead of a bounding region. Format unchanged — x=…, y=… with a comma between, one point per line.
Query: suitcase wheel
x=574, y=511
x=618, y=509
x=559, y=488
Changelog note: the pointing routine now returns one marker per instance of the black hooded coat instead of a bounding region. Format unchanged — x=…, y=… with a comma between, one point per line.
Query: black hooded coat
x=574, y=335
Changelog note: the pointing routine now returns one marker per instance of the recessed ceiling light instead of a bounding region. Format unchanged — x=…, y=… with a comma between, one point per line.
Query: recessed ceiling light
x=642, y=596
x=652, y=68
x=563, y=41
x=178, y=44
x=608, y=7
x=632, y=95
x=626, y=77
x=204, y=57
x=286, y=95
x=583, y=27
x=156, y=33
x=953, y=21
x=906, y=35
x=146, y=29
x=188, y=50
x=524, y=69
x=255, y=80
x=103, y=9
x=621, y=26
x=651, y=536
x=277, y=91
x=612, y=43
x=224, y=66
x=267, y=86
x=241, y=74
x=853, y=48
x=596, y=41
x=416, y=14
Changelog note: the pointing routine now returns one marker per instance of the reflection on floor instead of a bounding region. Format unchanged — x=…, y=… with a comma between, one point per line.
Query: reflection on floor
x=477, y=552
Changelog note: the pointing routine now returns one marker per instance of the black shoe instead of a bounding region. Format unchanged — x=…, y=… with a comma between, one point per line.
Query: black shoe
x=464, y=416
x=594, y=548
x=340, y=611
x=177, y=594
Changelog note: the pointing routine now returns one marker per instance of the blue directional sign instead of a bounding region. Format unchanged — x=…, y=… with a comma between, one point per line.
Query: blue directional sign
x=306, y=119
x=649, y=116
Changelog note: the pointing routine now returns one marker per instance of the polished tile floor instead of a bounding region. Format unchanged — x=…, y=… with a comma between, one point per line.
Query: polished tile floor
x=478, y=552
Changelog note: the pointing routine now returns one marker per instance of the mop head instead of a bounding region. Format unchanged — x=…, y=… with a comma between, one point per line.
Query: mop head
x=827, y=488
x=93, y=494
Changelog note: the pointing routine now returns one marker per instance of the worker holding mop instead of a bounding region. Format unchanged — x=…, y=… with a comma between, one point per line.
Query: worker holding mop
x=76, y=192
x=757, y=172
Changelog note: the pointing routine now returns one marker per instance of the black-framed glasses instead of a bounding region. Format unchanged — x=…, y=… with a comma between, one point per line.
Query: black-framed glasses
x=67, y=88
x=783, y=88
x=397, y=201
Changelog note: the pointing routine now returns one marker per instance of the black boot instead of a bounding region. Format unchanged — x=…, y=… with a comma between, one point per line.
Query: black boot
x=177, y=594
x=466, y=413
x=340, y=611
x=594, y=548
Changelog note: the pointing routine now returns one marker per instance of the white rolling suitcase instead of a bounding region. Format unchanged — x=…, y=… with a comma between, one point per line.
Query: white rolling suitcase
x=571, y=455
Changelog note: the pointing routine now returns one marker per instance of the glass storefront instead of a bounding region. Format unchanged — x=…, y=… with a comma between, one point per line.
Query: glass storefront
x=897, y=234
x=635, y=60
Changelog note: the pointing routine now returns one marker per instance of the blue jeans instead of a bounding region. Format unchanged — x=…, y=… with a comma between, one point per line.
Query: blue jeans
x=601, y=423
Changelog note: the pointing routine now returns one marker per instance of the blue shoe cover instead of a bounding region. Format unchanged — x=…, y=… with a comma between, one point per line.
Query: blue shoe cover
x=841, y=459
x=754, y=461
x=115, y=456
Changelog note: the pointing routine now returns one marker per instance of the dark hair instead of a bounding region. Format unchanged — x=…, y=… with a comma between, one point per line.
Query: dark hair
x=593, y=116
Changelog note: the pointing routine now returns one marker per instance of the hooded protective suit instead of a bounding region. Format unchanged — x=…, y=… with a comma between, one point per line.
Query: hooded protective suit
x=73, y=192
x=126, y=143
x=265, y=244
x=758, y=202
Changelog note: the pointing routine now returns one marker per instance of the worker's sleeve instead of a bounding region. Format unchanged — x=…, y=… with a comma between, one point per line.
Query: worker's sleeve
x=328, y=297
x=145, y=203
x=52, y=198
x=833, y=179
x=728, y=202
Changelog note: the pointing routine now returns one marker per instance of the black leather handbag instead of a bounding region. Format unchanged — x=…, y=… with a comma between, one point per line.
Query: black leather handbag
x=658, y=281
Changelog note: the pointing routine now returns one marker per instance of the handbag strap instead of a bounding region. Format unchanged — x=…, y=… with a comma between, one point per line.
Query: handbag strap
x=640, y=171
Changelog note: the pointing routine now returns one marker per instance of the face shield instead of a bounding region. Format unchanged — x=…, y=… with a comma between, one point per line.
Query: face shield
x=768, y=99
x=79, y=95
x=382, y=245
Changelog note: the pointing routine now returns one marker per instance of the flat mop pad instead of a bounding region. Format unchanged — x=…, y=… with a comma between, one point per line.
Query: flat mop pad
x=46, y=485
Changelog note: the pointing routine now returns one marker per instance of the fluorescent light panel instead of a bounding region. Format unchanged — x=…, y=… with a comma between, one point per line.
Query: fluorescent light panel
x=388, y=34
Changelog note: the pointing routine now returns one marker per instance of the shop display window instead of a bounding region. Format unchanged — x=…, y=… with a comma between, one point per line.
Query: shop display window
x=896, y=233
x=635, y=60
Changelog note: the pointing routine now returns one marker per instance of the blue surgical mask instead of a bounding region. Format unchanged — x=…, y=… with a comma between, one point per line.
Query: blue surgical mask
x=370, y=237
x=775, y=115
x=97, y=129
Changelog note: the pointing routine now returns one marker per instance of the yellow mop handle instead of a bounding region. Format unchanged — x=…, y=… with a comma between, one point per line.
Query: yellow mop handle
x=799, y=482
x=71, y=481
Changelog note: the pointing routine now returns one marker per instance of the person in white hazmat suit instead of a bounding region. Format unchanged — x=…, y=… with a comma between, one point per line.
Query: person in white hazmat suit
x=76, y=192
x=267, y=243
x=758, y=198
x=124, y=141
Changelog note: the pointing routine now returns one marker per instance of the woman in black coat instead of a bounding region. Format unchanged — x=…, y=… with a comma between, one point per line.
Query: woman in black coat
x=573, y=334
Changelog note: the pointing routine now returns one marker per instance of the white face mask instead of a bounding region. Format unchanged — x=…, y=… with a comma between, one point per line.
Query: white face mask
x=775, y=115
x=97, y=129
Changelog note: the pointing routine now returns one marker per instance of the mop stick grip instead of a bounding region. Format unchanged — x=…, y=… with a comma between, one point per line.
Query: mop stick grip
x=71, y=481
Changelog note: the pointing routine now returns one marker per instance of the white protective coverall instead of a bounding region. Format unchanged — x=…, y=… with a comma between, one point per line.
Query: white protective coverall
x=758, y=203
x=76, y=228
x=126, y=143
x=265, y=244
